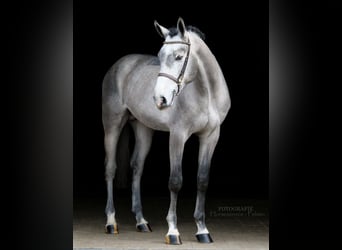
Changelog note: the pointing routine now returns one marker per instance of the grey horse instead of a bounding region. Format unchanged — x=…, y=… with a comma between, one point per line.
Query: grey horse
x=183, y=92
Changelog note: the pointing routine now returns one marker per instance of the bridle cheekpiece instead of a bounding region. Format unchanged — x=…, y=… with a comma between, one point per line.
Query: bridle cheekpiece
x=180, y=77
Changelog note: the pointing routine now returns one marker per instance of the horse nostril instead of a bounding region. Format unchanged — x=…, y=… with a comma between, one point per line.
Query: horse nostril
x=163, y=100
x=160, y=101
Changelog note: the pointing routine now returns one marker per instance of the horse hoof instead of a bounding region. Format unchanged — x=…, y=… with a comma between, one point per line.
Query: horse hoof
x=204, y=238
x=112, y=229
x=172, y=239
x=144, y=227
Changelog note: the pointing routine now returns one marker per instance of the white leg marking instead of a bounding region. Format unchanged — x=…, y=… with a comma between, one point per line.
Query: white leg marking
x=173, y=231
x=201, y=229
x=142, y=221
x=111, y=219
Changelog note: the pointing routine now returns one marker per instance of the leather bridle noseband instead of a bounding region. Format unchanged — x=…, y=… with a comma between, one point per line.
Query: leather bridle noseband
x=179, y=79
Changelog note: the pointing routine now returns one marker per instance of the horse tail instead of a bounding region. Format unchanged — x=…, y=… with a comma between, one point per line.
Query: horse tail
x=123, y=159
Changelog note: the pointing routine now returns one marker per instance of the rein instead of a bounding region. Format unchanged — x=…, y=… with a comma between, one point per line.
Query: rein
x=179, y=79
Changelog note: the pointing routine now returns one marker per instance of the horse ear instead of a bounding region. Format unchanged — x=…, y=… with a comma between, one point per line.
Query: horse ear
x=162, y=31
x=181, y=26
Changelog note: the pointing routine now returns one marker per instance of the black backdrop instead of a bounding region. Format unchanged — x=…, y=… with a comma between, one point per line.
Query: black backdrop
x=237, y=34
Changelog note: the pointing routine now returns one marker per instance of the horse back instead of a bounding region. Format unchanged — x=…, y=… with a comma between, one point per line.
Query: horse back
x=116, y=76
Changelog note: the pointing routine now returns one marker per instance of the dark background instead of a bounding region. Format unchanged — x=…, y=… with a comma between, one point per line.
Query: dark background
x=237, y=34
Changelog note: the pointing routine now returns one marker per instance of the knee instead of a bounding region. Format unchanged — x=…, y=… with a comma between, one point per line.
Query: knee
x=110, y=171
x=175, y=183
x=109, y=175
x=202, y=183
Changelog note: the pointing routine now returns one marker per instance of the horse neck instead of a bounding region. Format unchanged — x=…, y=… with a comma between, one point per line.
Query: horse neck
x=211, y=78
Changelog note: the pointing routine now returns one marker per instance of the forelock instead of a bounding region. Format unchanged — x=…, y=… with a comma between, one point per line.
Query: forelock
x=173, y=31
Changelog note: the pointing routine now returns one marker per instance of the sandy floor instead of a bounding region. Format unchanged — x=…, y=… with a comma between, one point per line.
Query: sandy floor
x=233, y=224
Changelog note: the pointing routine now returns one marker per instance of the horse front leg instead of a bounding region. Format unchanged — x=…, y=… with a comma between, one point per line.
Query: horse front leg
x=177, y=142
x=208, y=143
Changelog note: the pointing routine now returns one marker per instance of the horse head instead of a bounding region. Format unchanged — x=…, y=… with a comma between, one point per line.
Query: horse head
x=177, y=65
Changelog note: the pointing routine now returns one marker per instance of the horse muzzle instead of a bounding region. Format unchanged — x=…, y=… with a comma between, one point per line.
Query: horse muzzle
x=162, y=102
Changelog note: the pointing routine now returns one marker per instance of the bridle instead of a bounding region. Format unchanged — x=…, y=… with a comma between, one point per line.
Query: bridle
x=179, y=79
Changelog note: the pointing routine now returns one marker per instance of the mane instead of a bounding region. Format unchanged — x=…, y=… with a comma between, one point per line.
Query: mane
x=189, y=28
x=196, y=31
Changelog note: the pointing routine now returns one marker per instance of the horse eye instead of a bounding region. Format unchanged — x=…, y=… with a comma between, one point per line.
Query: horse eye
x=178, y=57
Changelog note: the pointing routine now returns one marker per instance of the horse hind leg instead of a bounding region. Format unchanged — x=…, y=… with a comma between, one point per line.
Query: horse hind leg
x=112, y=129
x=143, y=140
